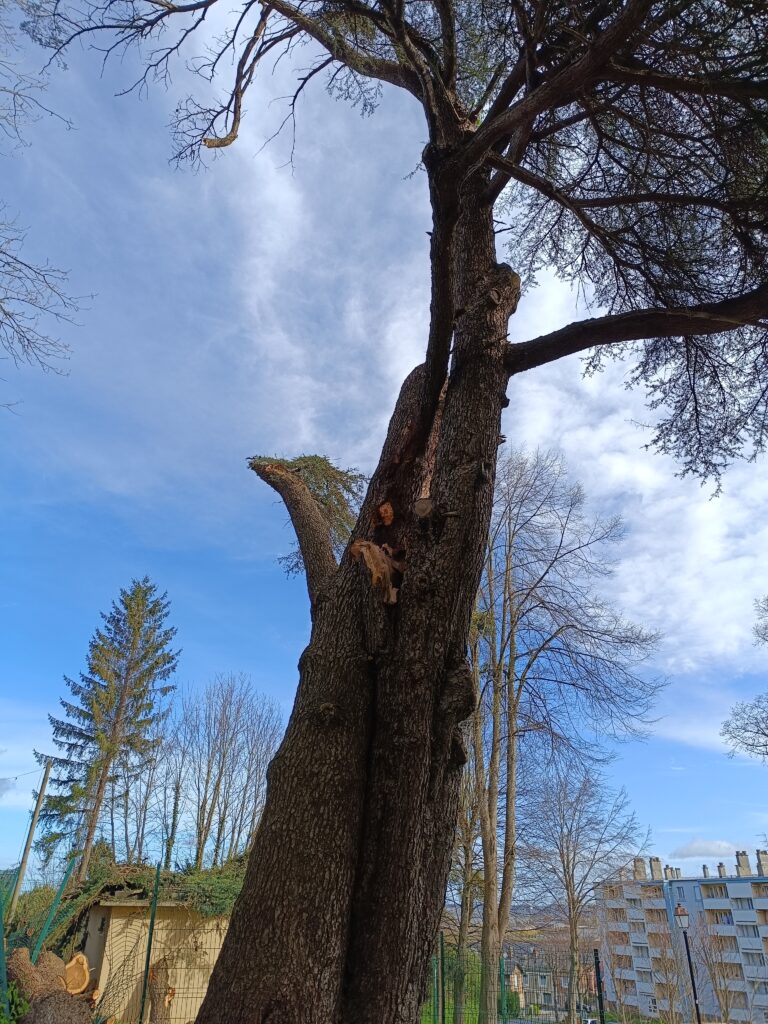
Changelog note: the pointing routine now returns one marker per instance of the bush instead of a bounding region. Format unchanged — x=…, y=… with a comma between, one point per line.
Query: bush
x=17, y=1005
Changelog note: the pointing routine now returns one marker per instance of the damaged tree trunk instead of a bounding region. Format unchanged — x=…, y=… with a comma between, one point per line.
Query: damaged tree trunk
x=347, y=874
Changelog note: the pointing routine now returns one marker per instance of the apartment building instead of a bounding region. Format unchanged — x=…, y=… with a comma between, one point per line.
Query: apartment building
x=643, y=954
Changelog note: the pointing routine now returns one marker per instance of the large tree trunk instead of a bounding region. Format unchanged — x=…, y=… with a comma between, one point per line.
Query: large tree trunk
x=346, y=877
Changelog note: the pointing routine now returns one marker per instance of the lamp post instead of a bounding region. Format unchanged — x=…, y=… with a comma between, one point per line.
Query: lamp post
x=682, y=919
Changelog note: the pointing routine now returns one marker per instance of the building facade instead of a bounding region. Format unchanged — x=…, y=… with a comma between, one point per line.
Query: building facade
x=644, y=962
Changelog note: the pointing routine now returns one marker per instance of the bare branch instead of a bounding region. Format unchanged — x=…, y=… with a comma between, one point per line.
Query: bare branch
x=313, y=531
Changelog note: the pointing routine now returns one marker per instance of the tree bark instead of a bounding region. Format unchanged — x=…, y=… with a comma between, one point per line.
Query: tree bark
x=171, y=840
x=355, y=840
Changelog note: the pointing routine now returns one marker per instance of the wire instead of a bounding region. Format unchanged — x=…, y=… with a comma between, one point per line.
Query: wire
x=21, y=775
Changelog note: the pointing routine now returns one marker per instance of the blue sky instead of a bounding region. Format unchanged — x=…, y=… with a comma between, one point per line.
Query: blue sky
x=259, y=307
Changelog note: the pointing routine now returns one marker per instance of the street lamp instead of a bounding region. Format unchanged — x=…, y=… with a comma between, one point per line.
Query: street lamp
x=682, y=919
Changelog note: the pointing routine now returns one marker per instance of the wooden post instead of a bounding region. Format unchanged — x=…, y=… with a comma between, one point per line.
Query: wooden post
x=28, y=845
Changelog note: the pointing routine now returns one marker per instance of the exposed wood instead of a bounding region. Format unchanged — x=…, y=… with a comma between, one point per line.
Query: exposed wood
x=78, y=975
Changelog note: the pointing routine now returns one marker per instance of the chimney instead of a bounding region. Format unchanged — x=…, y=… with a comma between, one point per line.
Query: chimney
x=762, y=863
x=668, y=872
x=721, y=870
x=678, y=872
x=639, y=873
x=743, y=870
x=705, y=871
x=655, y=866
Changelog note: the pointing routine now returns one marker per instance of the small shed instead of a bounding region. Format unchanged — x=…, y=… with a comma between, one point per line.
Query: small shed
x=185, y=945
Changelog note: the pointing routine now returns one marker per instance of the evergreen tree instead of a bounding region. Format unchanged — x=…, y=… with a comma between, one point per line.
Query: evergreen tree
x=109, y=722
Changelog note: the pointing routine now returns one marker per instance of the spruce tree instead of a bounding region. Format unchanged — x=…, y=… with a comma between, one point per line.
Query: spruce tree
x=109, y=720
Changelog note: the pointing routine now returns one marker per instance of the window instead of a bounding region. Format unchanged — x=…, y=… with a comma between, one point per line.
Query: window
x=652, y=1008
x=634, y=902
x=681, y=892
x=697, y=893
x=743, y=903
x=719, y=917
x=761, y=988
x=747, y=931
x=755, y=959
x=645, y=976
x=715, y=892
x=542, y=980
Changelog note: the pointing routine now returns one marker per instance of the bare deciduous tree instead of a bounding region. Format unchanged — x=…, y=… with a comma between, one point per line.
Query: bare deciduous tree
x=577, y=834
x=622, y=144
x=31, y=294
x=551, y=660
x=714, y=958
x=228, y=735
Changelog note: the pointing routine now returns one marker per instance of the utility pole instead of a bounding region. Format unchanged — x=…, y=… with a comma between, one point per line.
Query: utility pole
x=30, y=836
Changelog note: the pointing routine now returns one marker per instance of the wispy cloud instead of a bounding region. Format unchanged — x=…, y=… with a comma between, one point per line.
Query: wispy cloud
x=704, y=848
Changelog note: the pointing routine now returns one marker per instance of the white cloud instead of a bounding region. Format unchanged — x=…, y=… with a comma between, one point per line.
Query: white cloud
x=704, y=848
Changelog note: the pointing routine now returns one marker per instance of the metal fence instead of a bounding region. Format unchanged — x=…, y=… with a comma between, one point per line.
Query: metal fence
x=528, y=983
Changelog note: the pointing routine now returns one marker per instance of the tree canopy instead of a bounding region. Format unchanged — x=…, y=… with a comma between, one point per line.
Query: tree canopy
x=627, y=148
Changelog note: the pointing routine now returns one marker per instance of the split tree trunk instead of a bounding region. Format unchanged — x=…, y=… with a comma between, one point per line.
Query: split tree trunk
x=346, y=878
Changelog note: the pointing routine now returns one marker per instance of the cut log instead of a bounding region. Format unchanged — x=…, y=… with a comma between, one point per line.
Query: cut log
x=52, y=964
x=78, y=974
x=58, y=1008
x=34, y=981
x=161, y=992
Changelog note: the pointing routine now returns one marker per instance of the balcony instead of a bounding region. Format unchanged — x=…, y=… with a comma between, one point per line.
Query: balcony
x=717, y=903
x=641, y=963
x=744, y=916
x=655, y=903
x=758, y=972
x=750, y=942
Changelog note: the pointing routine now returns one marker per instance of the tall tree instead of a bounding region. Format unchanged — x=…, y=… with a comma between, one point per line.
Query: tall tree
x=578, y=833
x=623, y=145
x=110, y=723
x=552, y=660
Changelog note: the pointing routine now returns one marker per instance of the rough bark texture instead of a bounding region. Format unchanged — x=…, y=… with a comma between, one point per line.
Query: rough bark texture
x=35, y=981
x=58, y=1008
x=362, y=795
x=311, y=528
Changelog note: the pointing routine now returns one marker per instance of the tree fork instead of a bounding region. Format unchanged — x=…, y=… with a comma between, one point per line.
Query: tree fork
x=308, y=839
